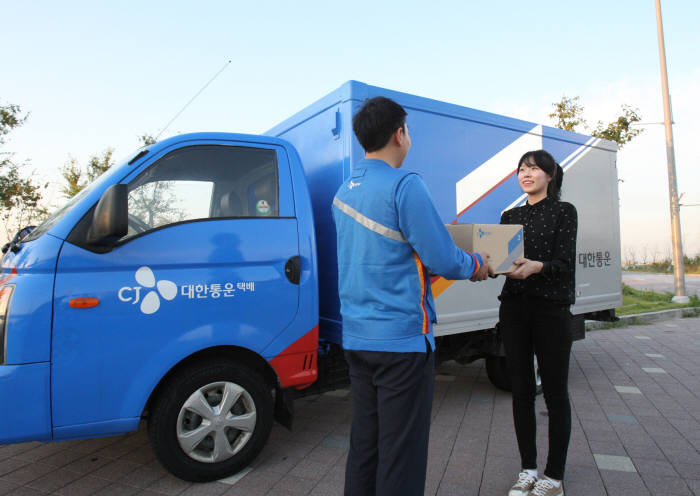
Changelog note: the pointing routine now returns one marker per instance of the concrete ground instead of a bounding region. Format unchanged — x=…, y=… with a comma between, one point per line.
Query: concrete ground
x=636, y=430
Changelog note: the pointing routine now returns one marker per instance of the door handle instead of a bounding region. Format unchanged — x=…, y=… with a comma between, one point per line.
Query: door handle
x=292, y=269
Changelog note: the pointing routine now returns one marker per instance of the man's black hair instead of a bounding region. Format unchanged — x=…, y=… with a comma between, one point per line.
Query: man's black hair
x=546, y=162
x=376, y=121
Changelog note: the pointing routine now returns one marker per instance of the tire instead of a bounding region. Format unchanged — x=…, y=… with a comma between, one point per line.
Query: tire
x=210, y=420
x=497, y=371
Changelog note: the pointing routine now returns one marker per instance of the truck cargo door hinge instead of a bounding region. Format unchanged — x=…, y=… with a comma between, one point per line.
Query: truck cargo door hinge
x=336, y=129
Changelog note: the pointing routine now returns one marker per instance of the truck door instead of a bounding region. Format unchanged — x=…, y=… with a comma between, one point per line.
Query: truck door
x=211, y=227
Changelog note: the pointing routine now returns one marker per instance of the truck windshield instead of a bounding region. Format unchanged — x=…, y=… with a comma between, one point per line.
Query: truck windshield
x=58, y=214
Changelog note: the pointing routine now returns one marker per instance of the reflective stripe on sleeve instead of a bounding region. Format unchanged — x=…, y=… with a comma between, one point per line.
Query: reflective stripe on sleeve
x=369, y=223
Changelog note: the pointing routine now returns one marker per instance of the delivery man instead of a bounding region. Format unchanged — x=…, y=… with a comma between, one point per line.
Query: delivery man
x=390, y=237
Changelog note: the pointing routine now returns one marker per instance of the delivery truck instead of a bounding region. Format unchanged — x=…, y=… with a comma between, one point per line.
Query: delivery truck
x=195, y=283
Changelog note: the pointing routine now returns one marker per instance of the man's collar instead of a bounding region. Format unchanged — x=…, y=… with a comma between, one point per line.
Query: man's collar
x=372, y=162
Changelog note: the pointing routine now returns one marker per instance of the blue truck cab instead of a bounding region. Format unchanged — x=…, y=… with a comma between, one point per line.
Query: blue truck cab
x=182, y=282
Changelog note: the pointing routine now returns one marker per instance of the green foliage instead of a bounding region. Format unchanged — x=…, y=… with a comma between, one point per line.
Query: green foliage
x=10, y=118
x=621, y=323
x=72, y=174
x=77, y=177
x=99, y=164
x=19, y=195
x=690, y=315
x=620, y=130
x=568, y=114
x=639, y=301
x=147, y=139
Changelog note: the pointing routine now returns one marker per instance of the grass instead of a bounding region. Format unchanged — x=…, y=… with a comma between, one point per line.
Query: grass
x=620, y=323
x=694, y=313
x=638, y=301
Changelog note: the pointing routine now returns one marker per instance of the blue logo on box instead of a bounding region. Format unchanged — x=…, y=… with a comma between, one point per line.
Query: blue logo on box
x=515, y=241
x=482, y=233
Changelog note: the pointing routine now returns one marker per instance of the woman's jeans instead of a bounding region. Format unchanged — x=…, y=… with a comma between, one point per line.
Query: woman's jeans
x=532, y=325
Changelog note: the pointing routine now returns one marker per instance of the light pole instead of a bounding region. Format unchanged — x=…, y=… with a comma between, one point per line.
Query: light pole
x=678, y=264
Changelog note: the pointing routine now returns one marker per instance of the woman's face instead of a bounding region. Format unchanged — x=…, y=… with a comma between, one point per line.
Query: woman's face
x=532, y=179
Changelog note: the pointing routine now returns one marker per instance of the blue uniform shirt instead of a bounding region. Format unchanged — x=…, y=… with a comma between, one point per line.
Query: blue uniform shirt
x=390, y=237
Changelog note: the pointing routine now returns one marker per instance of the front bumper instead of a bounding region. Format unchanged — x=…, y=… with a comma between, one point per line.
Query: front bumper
x=25, y=411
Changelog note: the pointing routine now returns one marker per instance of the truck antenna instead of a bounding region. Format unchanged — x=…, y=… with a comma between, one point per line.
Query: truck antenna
x=192, y=99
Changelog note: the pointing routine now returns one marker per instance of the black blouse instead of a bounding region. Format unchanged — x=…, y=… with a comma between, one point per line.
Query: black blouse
x=549, y=228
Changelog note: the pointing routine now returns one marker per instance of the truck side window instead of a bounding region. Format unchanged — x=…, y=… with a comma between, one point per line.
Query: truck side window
x=204, y=182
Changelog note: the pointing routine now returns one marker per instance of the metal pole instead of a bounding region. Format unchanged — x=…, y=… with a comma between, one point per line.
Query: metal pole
x=678, y=265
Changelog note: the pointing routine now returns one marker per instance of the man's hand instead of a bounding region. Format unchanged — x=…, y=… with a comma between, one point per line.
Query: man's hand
x=485, y=270
x=525, y=268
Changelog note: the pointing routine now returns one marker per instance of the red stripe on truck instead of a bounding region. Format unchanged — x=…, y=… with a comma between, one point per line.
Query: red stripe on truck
x=297, y=365
x=9, y=277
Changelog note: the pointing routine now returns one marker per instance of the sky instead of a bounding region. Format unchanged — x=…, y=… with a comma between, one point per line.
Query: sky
x=98, y=74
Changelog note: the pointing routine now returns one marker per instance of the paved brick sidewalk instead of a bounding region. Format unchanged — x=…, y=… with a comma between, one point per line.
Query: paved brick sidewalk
x=636, y=430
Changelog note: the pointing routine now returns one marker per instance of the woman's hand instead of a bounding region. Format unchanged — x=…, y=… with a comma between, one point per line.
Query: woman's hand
x=525, y=268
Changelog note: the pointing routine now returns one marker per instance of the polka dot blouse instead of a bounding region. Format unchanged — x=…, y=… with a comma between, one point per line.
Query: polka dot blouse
x=549, y=228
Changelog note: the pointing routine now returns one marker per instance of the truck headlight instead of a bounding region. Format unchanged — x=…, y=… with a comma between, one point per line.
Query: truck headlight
x=5, y=296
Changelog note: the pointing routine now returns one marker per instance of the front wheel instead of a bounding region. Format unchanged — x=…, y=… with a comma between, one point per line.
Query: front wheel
x=210, y=421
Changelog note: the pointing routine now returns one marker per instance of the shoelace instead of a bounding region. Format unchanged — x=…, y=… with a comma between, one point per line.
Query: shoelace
x=541, y=488
x=525, y=479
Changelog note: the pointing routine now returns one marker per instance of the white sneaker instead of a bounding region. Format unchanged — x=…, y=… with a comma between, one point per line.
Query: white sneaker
x=544, y=487
x=523, y=485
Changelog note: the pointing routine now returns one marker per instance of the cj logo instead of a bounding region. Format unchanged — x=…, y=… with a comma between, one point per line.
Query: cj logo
x=483, y=233
x=151, y=302
x=352, y=184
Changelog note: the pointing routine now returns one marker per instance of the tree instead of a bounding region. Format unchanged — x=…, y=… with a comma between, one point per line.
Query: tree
x=99, y=164
x=154, y=203
x=569, y=115
x=19, y=195
x=147, y=139
x=620, y=130
x=77, y=177
x=10, y=118
x=72, y=174
x=630, y=256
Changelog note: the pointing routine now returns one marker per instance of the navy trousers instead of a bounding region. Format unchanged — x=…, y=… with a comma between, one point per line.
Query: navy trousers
x=392, y=396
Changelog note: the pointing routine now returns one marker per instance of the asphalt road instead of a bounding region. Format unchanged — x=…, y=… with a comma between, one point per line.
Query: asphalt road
x=660, y=282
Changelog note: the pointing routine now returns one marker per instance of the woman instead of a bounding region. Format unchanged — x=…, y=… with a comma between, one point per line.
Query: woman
x=534, y=319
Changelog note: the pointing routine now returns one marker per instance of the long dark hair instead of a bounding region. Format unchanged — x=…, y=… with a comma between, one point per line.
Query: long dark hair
x=546, y=162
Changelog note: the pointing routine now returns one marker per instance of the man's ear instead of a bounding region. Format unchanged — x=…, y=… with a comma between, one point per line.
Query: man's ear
x=398, y=136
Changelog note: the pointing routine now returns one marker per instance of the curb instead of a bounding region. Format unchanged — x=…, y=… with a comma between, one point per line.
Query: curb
x=644, y=318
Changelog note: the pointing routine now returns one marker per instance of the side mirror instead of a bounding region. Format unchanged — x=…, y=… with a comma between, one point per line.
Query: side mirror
x=110, y=220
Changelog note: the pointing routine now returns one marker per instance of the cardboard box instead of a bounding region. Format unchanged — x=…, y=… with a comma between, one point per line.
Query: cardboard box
x=504, y=242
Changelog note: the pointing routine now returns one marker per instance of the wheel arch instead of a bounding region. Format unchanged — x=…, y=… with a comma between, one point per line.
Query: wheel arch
x=234, y=354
